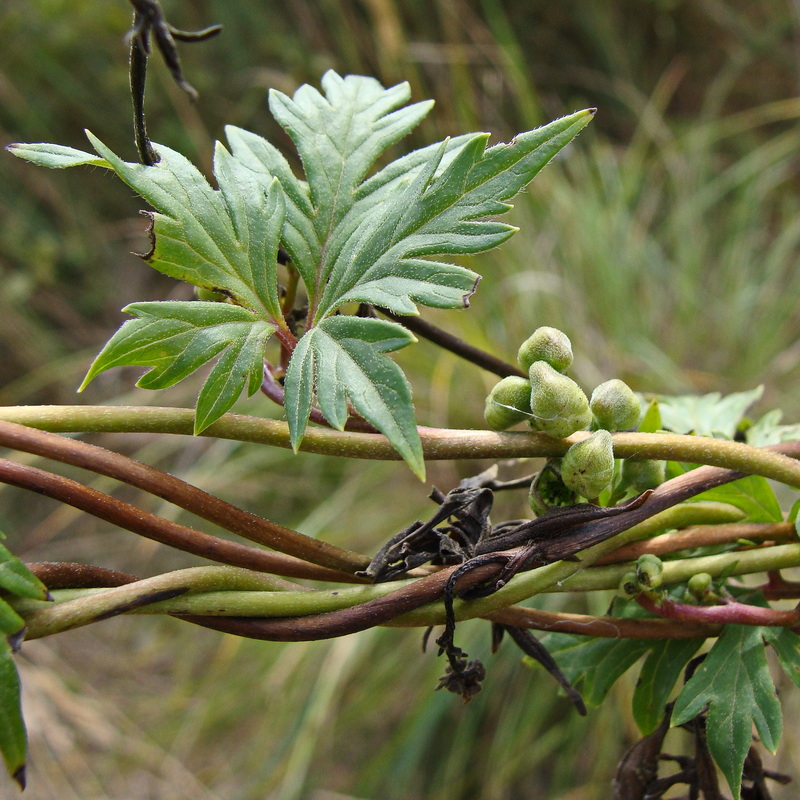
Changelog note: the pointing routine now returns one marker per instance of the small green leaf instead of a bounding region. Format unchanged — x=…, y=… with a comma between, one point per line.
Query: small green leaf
x=13, y=740
x=17, y=579
x=660, y=671
x=651, y=421
x=342, y=359
x=709, y=414
x=734, y=684
x=55, y=156
x=11, y=623
x=175, y=338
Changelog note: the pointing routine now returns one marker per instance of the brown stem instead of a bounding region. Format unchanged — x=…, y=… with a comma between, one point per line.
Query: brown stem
x=607, y=627
x=182, y=494
x=700, y=536
x=731, y=613
x=124, y=515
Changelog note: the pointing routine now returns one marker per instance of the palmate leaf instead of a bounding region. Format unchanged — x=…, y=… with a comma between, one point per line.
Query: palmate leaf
x=175, y=338
x=351, y=237
x=735, y=685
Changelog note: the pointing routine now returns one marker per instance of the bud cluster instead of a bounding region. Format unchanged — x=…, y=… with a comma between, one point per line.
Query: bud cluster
x=552, y=403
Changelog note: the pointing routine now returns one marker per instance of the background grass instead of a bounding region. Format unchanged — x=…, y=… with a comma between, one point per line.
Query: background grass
x=664, y=241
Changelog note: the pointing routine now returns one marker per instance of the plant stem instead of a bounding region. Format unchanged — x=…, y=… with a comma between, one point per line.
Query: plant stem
x=448, y=341
x=182, y=494
x=437, y=443
x=120, y=513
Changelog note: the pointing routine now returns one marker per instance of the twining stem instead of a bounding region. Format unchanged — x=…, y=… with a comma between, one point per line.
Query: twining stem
x=131, y=518
x=437, y=443
x=182, y=494
x=96, y=605
x=223, y=601
x=702, y=536
x=374, y=604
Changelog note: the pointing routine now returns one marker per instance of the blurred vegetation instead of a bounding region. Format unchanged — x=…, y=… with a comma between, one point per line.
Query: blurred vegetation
x=665, y=242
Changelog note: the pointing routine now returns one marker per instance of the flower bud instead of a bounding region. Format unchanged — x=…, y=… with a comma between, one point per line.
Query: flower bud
x=629, y=586
x=615, y=406
x=558, y=405
x=643, y=475
x=699, y=585
x=508, y=403
x=546, y=344
x=588, y=466
x=648, y=571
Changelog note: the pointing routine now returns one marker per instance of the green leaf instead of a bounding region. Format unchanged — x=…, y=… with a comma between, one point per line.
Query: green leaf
x=225, y=240
x=768, y=430
x=342, y=359
x=17, y=579
x=175, y=338
x=595, y=663
x=734, y=684
x=55, y=156
x=660, y=671
x=787, y=647
x=436, y=212
x=11, y=623
x=753, y=494
x=341, y=134
x=707, y=415
x=13, y=740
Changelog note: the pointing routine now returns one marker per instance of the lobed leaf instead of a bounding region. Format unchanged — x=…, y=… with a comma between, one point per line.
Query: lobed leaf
x=436, y=211
x=176, y=338
x=735, y=685
x=342, y=360
x=661, y=670
x=594, y=663
x=225, y=240
x=708, y=414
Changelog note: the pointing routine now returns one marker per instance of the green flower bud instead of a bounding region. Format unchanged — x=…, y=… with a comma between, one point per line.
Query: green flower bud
x=643, y=475
x=699, y=585
x=559, y=406
x=508, y=403
x=648, y=571
x=629, y=585
x=615, y=406
x=546, y=344
x=588, y=466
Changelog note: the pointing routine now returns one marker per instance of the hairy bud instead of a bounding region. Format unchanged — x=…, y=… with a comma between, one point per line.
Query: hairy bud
x=546, y=344
x=588, y=466
x=615, y=407
x=559, y=406
x=508, y=403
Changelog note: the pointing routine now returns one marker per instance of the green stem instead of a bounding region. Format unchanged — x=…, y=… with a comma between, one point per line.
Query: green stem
x=437, y=443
